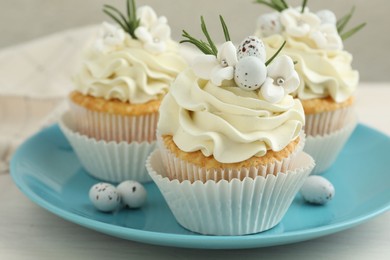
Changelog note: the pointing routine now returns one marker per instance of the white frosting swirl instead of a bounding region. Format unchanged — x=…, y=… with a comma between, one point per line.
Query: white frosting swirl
x=322, y=73
x=227, y=122
x=129, y=72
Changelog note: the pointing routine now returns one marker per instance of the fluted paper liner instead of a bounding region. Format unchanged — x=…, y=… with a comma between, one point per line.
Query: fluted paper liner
x=325, y=148
x=235, y=207
x=112, y=127
x=183, y=170
x=108, y=161
x=328, y=122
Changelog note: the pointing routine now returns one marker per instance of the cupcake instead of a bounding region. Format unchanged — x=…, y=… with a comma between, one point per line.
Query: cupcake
x=125, y=73
x=327, y=80
x=229, y=158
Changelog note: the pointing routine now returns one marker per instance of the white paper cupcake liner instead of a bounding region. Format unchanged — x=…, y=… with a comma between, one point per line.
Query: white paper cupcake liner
x=328, y=122
x=230, y=207
x=108, y=161
x=325, y=148
x=111, y=127
x=182, y=170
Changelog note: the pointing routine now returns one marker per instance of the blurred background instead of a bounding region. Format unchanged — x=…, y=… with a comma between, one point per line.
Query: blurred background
x=24, y=20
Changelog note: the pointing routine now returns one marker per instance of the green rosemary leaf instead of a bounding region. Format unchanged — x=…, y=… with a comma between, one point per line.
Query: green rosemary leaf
x=128, y=10
x=284, y=4
x=206, y=33
x=342, y=23
x=133, y=11
x=303, y=5
x=270, y=5
x=225, y=29
x=124, y=26
x=118, y=12
x=276, y=54
x=204, y=47
x=201, y=47
x=295, y=62
x=351, y=32
x=279, y=4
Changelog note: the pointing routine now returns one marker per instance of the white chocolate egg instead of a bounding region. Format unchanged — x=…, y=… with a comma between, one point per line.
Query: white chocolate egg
x=250, y=73
x=104, y=197
x=133, y=193
x=251, y=46
x=317, y=190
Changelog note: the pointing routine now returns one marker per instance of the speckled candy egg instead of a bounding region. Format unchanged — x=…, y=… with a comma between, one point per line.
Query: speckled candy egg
x=133, y=193
x=251, y=46
x=317, y=190
x=250, y=73
x=104, y=197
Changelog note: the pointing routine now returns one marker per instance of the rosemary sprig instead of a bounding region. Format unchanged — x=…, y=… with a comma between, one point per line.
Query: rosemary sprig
x=225, y=29
x=129, y=23
x=271, y=4
x=208, y=47
x=276, y=54
x=303, y=6
x=206, y=33
x=351, y=32
x=342, y=23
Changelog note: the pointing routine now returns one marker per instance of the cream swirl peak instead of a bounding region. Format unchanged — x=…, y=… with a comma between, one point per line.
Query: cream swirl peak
x=225, y=121
x=232, y=103
x=133, y=63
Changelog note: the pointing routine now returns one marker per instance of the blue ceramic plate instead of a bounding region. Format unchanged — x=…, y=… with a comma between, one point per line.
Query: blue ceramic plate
x=46, y=169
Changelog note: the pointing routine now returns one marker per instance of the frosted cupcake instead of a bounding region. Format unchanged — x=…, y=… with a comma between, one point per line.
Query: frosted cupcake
x=114, y=108
x=230, y=157
x=328, y=82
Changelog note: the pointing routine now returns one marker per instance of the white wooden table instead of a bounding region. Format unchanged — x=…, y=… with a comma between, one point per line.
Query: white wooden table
x=30, y=232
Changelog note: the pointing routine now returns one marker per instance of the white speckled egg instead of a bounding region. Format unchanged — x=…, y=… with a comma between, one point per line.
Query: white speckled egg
x=104, y=197
x=317, y=190
x=251, y=46
x=133, y=193
x=250, y=73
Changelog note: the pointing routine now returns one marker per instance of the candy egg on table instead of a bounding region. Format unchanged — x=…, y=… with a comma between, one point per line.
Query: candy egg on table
x=251, y=46
x=104, y=197
x=250, y=73
x=317, y=190
x=133, y=193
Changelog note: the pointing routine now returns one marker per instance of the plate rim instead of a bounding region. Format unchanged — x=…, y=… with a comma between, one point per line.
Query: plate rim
x=187, y=240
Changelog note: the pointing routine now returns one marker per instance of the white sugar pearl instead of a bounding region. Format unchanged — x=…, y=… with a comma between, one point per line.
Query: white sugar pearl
x=133, y=193
x=317, y=190
x=250, y=73
x=104, y=197
x=251, y=46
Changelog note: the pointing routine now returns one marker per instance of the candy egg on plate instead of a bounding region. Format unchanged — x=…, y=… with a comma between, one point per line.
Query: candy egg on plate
x=317, y=190
x=133, y=193
x=104, y=197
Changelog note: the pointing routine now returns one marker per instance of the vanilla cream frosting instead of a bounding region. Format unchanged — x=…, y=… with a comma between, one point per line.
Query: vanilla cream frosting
x=322, y=73
x=225, y=121
x=128, y=72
